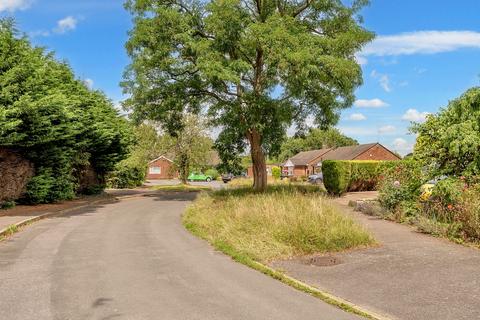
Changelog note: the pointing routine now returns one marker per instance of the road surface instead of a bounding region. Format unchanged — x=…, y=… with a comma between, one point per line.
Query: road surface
x=132, y=259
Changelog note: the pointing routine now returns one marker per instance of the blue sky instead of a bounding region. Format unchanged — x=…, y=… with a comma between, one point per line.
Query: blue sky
x=427, y=52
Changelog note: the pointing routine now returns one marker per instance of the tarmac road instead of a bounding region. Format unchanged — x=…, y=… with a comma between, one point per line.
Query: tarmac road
x=132, y=259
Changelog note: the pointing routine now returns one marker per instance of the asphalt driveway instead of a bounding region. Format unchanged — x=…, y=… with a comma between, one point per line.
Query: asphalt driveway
x=132, y=259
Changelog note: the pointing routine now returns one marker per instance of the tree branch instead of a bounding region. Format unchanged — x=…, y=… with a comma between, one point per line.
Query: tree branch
x=302, y=8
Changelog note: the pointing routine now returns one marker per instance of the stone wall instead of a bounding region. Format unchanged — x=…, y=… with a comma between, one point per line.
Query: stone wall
x=15, y=172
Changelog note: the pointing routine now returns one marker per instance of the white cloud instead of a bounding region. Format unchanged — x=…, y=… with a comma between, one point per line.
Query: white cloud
x=387, y=129
x=361, y=60
x=383, y=79
x=13, y=5
x=422, y=42
x=357, y=117
x=66, y=24
x=402, y=146
x=89, y=83
x=39, y=33
x=415, y=116
x=373, y=103
x=358, y=131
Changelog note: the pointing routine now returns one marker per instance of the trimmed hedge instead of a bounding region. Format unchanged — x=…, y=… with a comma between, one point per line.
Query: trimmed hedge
x=336, y=176
x=341, y=176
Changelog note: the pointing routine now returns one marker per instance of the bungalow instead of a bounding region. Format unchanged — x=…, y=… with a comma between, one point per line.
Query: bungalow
x=304, y=163
x=161, y=168
x=309, y=162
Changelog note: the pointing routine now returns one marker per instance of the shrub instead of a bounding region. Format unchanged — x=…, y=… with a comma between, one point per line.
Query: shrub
x=127, y=176
x=7, y=205
x=399, y=182
x=213, y=173
x=336, y=176
x=45, y=188
x=364, y=175
x=276, y=172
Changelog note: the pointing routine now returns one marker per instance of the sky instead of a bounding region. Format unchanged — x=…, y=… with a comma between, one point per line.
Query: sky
x=426, y=53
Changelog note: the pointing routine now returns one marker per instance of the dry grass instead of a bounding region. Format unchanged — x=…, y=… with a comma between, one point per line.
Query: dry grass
x=286, y=221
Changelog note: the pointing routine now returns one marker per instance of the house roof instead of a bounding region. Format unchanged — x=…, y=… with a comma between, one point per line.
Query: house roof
x=305, y=157
x=347, y=153
x=161, y=157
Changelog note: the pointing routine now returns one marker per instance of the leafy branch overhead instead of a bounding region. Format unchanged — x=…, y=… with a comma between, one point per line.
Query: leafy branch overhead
x=255, y=67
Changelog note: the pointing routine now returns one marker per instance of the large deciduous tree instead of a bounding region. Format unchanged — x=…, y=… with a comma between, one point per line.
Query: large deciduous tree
x=449, y=142
x=255, y=67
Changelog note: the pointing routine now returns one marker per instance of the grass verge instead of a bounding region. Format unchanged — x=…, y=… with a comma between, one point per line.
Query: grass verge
x=285, y=221
x=182, y=188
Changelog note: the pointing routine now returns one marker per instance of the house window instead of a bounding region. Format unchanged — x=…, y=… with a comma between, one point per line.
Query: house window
x=155, y=170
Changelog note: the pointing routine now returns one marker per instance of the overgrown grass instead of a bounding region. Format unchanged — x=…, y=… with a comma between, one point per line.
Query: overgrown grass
x=183, y=188
x=285, y=221
x=9, y=232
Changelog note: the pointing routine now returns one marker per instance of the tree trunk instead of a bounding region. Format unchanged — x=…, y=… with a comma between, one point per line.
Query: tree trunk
x=184, y=167
x=258, y=162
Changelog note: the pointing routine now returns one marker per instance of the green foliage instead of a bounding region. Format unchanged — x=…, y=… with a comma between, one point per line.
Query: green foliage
x=126, y=176
x=45, y=188
x=336, y=176
x=342, y=176
x=7, y=205
x=212, y=173
x=449, y=142
x=400, y=182
x=225, y=59
x=314, y=139
x=364, y=175
x=54, y=120
x=276, y=172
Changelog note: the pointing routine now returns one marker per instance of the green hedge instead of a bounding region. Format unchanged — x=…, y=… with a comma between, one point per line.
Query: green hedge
x=336, y=176
x=341, y=176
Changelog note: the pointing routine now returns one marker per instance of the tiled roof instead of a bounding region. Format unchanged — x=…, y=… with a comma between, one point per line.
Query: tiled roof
x=347, y=153
x=305, y=157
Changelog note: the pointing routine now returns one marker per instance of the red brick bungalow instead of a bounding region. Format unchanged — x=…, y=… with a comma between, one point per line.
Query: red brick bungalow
x=309, y=162
x=161, y=168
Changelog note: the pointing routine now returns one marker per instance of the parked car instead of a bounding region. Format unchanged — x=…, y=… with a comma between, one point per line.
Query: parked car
x=426, y=189
x=315, y=178
x=230, y=176
x=196, y=176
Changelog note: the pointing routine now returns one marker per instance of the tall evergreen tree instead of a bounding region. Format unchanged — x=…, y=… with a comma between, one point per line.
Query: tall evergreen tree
x=54, y=120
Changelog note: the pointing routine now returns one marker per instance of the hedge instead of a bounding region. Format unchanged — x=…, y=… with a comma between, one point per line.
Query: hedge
x=341, y=176
x=336, y=176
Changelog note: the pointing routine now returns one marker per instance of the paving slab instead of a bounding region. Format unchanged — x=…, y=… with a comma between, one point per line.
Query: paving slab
x=408, y=276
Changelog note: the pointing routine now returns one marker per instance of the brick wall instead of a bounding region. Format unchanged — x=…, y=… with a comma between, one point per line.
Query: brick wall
x=166, y=170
